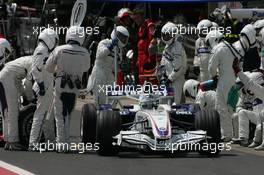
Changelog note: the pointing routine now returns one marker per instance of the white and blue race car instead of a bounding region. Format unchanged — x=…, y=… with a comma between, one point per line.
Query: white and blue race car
x=150, y=125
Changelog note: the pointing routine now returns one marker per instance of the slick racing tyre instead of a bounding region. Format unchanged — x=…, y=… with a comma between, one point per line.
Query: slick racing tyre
x=108, y=125
x=25, y=122
x=209, y=121
x=2, y=143
x=88, y=123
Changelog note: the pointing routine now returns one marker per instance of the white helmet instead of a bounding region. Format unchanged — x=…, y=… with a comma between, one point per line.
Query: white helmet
x=261, y=38
x=190, y=88
x=215, y=25
x=249, y=33
x=49, y=37
x=204, y=27
x=123, y=12
x=259, y=24
x=256, y=77
x=168, y=32
x=122, y=35
x=75, y=33
x=213, y=38
x=5, y=47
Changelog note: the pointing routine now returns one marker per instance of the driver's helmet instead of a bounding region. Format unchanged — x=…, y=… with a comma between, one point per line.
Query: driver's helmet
x=146, y=101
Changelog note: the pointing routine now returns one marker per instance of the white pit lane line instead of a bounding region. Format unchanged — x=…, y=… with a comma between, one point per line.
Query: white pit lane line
x=11, y=169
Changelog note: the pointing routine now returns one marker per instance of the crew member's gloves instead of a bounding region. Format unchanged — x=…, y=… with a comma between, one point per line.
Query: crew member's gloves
x=236, y=66
x=196, y=70
x=215, y=79
x=168, y=82
x=41, y=88
x=113, y=44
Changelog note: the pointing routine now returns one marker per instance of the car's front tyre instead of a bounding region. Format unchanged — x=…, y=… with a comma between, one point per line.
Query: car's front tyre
x=88, y=123
x=108, y=125
x=209, y=121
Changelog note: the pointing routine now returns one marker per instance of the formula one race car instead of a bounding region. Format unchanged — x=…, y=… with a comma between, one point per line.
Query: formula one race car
x=150, y=126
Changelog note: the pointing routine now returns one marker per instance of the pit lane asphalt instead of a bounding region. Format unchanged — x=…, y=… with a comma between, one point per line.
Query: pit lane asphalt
x=237, y=161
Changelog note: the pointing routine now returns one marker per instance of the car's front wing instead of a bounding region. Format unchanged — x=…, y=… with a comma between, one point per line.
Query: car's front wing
x=137, y=139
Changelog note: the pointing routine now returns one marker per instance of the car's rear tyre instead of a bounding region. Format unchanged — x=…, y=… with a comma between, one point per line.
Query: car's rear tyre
x=88, y=123
x=25, y=122
x=209, y=121
x=108, y=125
x=2, y=143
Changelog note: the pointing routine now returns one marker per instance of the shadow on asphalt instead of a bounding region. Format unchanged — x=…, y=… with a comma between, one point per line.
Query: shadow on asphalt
x=137, y=155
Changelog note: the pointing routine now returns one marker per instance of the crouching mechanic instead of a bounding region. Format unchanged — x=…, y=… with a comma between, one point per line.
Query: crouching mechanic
x=255, y=85
x=5, y=50
x=174, y=59
x=221, y=61
x=104, y=68
x=43, y=86
x=193, y=90
x=245, y=102
x=11, y=89
x=68, y=62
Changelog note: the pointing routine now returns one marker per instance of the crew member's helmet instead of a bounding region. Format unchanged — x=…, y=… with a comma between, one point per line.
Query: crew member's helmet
x=249, y=33
x=204, y=27
x=168, y=33
x=49, y=37
x=213, y=38
x=122, y=35
x=190, y=88
x=75, y=33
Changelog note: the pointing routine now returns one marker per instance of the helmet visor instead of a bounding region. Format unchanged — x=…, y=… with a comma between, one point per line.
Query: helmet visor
x=203, y=32
x=122, y=38
x=166, y=36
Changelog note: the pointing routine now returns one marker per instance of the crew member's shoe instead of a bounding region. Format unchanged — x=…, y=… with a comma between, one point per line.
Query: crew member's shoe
x=6, y=146
x=14, y=146
x=226, y=139
x=235, y=141
x=254, y=144
x=33, y=148
x=243, y=142
x=260, y=147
